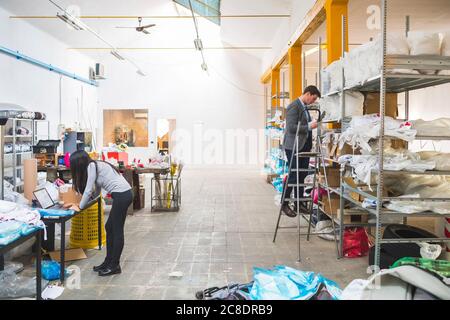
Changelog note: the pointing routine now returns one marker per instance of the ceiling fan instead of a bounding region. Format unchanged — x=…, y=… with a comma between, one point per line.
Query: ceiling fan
x=141, y=28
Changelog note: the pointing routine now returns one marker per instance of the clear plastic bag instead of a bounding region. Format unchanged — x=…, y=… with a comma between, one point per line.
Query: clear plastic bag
x=16, y=286
x=424, y=43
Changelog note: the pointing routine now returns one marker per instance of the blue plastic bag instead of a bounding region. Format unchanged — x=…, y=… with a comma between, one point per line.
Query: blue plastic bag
x=55, y=212
x=285, y=283
x=51, y=270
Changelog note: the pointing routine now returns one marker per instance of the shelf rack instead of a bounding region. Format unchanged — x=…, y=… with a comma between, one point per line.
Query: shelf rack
x=388, y=81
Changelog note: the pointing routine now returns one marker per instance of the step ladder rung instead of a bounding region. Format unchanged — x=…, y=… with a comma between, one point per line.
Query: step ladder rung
x=308, y=154
x=298, y=199
x=300, y=185
x=303, y=170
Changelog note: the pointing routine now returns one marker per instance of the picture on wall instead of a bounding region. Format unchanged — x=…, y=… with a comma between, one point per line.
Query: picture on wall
x=129, y=126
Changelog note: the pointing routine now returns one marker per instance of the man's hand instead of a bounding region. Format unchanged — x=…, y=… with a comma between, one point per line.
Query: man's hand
x=313, y=124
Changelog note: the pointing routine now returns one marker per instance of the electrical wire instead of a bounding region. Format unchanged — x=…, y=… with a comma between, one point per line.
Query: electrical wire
x=234, y=84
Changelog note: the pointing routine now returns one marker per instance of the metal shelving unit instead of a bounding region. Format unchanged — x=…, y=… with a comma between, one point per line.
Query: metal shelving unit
x=388, y=81
x=17, y=157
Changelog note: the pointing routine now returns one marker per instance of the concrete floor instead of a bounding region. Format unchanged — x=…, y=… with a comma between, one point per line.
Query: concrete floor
x=224, y=229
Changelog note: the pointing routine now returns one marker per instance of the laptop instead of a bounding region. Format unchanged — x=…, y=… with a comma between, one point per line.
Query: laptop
x=45, y=200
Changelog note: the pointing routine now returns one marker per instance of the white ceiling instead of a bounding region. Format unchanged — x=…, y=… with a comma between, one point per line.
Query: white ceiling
x=171, y=33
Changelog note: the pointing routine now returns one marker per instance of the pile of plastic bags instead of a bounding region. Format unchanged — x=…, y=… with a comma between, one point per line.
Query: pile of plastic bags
x=285, y=283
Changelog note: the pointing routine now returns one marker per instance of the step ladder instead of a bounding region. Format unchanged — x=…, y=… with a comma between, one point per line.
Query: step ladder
x=313, y=170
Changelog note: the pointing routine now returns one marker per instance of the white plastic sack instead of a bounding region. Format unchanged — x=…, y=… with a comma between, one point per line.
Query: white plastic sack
x=335, y=72
x=424, y=43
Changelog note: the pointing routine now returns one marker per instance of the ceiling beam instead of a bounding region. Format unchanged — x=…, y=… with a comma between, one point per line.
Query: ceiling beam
x=252, y=16
x=173, y=48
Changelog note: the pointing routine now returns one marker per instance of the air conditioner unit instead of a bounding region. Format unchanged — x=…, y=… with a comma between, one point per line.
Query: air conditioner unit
x=99, y=72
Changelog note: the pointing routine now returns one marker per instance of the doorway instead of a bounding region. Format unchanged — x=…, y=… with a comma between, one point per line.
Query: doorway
x=165, y=129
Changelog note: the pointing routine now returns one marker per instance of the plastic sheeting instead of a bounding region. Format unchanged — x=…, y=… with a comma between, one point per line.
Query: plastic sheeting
x=364, y=128
x=285, y=283
x=335, y=72
x=445, y=49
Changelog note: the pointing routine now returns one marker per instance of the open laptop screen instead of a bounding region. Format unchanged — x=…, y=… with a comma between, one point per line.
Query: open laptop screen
x=44, y=199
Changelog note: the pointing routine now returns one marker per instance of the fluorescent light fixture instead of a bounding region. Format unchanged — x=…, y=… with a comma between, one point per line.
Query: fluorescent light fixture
x=117, y=55
x=71, y=21
x=141, y=73
x=198, y=44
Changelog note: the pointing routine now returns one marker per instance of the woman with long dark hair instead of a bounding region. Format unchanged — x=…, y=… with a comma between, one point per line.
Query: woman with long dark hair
x=89, y=178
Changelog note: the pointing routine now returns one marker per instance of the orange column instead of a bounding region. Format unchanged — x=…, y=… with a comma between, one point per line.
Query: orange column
x=275, y=86
x=295, y=72
x=335, y=9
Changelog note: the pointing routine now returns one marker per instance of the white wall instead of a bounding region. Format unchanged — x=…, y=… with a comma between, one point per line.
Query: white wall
x=229, y=98
x=38, y=89
x=299, y=9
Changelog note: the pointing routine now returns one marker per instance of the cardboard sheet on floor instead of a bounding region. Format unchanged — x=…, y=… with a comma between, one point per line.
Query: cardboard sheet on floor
x=71, y=255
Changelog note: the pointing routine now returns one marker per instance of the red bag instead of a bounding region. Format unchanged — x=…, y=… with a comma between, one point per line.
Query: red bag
x=356, y=243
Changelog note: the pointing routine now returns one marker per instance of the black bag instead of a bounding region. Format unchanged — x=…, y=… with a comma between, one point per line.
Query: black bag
x=230, y=292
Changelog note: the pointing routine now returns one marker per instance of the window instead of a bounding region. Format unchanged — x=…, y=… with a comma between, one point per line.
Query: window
x=210, y=9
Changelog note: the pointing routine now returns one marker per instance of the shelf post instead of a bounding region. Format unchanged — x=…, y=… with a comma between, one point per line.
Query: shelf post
x=380, y=186
x=335, y=9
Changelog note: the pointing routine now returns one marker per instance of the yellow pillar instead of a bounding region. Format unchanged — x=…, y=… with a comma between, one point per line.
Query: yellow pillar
x=275, y=86
x=295, y=72
x=335, y=9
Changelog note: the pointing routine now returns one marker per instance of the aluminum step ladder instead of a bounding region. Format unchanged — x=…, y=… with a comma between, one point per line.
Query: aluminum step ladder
x=314, y=170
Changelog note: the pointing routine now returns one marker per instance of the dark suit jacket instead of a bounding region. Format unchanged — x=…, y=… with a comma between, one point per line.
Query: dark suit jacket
x=295, y=113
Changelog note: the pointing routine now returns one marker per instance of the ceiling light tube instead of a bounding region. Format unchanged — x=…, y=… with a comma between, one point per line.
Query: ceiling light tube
x=198, y=44
x=117, y=55
x=141, y=73
x=70, y=21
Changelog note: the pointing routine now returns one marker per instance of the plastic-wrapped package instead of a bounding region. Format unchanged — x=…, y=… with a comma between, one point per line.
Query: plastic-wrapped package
x=10, y=231
x=442, y=160
x=354, y=103
x=424, y=43
x=335, y=72
x=445, y=48
x=331, y=105
x=326, y=81
x=284, y=283
x=437, y=127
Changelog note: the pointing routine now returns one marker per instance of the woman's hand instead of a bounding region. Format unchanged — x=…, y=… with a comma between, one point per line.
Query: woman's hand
x=76, y=208
x=67, y=205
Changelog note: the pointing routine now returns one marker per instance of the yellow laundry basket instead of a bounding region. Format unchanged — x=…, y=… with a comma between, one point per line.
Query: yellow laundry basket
x=84, y=228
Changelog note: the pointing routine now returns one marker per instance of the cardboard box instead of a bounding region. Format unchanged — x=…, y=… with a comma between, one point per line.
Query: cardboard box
x=350, y=216
x=372, y=104
x=70, y=255
x=346, y=149
x=69, y=195
x=333, y=176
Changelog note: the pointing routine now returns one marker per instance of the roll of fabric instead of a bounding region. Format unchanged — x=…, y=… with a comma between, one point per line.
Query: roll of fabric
x=30, y=178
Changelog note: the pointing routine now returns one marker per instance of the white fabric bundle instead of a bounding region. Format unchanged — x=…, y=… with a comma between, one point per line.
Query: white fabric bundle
x=424, y=43
x=437, y=127
x=442, y=160
x=335, y=72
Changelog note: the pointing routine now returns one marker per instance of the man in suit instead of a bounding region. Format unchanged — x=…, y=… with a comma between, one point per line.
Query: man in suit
x=297, y=113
